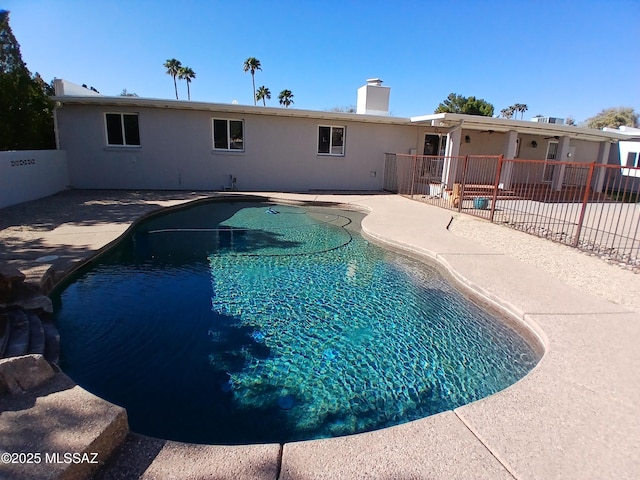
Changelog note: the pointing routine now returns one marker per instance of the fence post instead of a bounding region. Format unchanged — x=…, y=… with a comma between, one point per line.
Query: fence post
x=464, y=180
x=585, y=200
x=495, y=187
x=413, y=173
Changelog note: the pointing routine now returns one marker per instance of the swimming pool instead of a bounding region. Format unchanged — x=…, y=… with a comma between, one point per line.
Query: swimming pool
x=254, y=322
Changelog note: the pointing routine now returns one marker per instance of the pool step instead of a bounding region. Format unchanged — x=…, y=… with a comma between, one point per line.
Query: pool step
x=51, y=341
x=58, y=417
x=5, y=332
x=25, y=332
x=36, y=334
x=19, y=335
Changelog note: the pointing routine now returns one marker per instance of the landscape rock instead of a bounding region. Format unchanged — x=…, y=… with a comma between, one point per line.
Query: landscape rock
x=28, y=297
x=19, y=374
x=37, y=302
x=9, y=276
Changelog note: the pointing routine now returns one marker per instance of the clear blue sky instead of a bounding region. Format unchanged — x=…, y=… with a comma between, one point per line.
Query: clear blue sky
x=561, y=58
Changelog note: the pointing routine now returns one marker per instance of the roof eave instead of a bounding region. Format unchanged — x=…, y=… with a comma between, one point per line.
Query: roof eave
x=228, y=108
x=477, y=122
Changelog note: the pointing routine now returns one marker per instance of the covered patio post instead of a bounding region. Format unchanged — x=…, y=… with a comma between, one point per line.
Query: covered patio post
x=451, y=157
x=562, y=156
x=508, y=152
x=603, y=159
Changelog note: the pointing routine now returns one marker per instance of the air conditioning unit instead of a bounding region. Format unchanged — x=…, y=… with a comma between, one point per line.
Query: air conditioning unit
x=557, y=121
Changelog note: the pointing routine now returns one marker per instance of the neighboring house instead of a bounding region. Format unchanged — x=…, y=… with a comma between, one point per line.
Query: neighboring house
x=626, y=155
x=142, y=143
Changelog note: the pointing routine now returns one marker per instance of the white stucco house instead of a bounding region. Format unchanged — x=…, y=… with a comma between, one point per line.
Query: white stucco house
x=627, y=155
x=144, y=143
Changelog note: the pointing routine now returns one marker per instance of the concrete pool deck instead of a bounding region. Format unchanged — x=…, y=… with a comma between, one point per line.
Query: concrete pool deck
x=576, y=415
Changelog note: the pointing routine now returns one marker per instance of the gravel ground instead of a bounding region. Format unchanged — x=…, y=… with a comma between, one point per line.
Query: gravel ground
x=583, y=271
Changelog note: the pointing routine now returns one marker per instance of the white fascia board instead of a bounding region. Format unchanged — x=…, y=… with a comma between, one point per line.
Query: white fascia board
x=632, y=133
x=429, y=118
x=477, y=122
x=229, y=108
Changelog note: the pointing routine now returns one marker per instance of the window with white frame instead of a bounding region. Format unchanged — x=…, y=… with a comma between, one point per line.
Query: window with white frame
x=228, y=134
x=122, y=129
x=331, y=140
x=633, y=159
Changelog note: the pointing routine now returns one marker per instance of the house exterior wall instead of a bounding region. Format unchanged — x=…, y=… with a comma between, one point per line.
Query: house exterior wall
x=482, y=143
x=485, y=143
x=176, y=152
x=480, y=171
x=527, y=173
x=624, y=178
x=585, y=152
x=529, y=152
x=31, y=174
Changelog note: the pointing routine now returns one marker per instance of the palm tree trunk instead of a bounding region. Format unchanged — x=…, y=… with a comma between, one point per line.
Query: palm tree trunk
x=175, y=85
x=188, y=90
x=253, y=80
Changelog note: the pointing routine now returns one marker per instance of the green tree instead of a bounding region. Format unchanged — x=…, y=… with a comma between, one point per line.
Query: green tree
x=252, y=64
x=285, y=98
x=173, y=67
x=26, y=109
x=186, y=73
x=614, y=117
x=263, y=94
x=455, y=103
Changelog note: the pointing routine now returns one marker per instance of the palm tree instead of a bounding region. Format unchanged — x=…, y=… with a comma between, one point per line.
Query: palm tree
x=263, y=94
x=187, y=73
x=285, y=98
x=507, y=112
x=173, y=67
x=252, y=64
x=126, y=93
x=520, y=107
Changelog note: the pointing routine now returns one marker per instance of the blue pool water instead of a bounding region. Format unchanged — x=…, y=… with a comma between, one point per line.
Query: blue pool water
x=252, y=322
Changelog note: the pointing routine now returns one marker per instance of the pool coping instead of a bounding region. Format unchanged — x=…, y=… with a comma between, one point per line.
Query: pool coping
x=574, y=416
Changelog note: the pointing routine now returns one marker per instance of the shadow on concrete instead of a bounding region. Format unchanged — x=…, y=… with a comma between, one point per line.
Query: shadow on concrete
x=131, y=459
x=52, y=419
x=89, y=207
x=27, y=230
x=199, y=462
x=26, y=400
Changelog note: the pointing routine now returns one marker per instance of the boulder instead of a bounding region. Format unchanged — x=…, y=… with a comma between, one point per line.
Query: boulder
x=19, y=374
x=9, y=276
x=37, y=302
x=28, y=297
